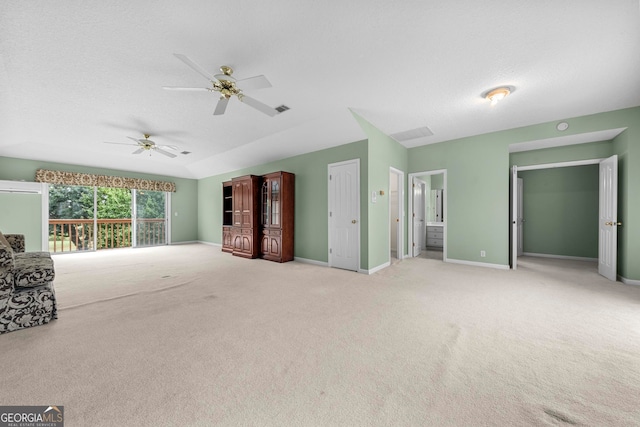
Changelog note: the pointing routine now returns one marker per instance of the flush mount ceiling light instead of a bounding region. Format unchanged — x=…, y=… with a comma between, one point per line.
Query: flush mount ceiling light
x=498, y=94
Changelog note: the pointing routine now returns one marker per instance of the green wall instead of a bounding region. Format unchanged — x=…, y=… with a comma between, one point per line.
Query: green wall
x=311, y=199
x=627, y=147
x=437, y=181
x=561, y=211
x=22, y=214
x=568, y=153
x=477, y=195
x=184, y=226
x=384, y=153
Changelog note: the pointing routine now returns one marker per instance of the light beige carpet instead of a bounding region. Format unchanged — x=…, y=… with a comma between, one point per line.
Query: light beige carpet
x=187, y=335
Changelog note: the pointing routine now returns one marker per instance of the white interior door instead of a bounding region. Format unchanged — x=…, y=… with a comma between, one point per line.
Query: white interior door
x=608, y=218
x=344, y=215
x=514, y=216
x=419, y=229
x=520, y=219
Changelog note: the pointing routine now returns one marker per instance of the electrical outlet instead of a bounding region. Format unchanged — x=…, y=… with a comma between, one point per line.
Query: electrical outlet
x=483, y=254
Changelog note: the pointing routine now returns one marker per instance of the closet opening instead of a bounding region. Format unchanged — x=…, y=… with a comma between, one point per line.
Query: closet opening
x=557, y=212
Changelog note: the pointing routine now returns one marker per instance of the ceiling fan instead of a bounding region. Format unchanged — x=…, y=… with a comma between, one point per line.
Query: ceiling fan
x=147, y=145
x=225, y=84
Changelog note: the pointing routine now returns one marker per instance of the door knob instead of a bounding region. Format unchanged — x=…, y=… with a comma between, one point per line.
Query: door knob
x=353, y=221
x=618, y=223
x=608, y=223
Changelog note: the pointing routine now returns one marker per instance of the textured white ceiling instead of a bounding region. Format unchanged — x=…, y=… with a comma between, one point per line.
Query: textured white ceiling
x=74, y=74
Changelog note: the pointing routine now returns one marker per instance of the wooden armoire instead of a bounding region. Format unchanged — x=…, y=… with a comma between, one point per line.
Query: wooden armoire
x=258, y=216
x=276, y=212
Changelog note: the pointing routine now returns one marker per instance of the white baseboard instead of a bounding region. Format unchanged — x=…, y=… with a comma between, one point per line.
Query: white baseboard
x=575, y=258
x=629, y=281
x=375, y=269
x=477, y=264
x=187, y=242
x=311, y=261
x=204, y=242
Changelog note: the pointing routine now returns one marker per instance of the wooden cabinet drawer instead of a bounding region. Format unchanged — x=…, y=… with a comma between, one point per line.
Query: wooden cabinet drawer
x=434, y=242
x=434, y=234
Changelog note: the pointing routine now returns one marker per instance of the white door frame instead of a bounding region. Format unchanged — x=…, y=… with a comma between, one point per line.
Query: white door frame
x=513, y=244
x=519, y=216
x=400, y=223
x=445, y=198
x=329, y=206
x=513, y=214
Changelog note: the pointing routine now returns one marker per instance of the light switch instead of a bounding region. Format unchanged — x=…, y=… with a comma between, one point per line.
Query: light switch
x=374, y=197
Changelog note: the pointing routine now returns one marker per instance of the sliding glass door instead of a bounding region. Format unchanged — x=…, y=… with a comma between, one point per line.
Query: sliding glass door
x=71, y=218
x=150, y=214
x=113, y=213
x=92, y=218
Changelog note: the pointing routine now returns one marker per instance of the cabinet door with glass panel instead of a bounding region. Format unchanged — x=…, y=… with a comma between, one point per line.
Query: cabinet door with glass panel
x=276, y=210
x=271, y=202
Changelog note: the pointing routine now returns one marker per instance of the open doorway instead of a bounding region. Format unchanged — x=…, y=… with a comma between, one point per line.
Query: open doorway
x=396, y=215
x=569, y=210
x=427, y=236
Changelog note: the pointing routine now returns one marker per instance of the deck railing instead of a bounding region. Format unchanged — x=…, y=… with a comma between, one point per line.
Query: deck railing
x=67, y=235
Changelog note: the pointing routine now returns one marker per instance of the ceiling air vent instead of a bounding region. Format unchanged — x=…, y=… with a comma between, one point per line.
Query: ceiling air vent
x=282, y=108
x=408, y=135
x=185, y=152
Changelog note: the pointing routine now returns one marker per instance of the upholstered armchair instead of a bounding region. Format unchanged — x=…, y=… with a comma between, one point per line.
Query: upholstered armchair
x=27, y=297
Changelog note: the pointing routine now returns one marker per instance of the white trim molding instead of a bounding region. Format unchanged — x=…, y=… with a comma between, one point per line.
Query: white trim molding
x=311, y=261
x=375, y=269
x=560, y=165
x=204, y=242
x=575, y=258
x=477, y=264
x=628, y=281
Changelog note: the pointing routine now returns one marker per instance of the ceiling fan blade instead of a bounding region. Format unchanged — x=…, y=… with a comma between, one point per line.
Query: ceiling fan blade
x=194, y=89
x=166, y=153
x=222, y=106
x=170, y=147
x=253, y=83
x=136, y=140
x=138, y=151
x=195, y=67
x=259, y=105
x=118, y=143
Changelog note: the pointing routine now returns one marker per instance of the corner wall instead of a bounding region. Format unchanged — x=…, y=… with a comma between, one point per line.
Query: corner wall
x=384, y=153
x=183, y=201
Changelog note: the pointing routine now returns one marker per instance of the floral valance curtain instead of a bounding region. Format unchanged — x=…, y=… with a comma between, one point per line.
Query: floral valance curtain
x=87, y=179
